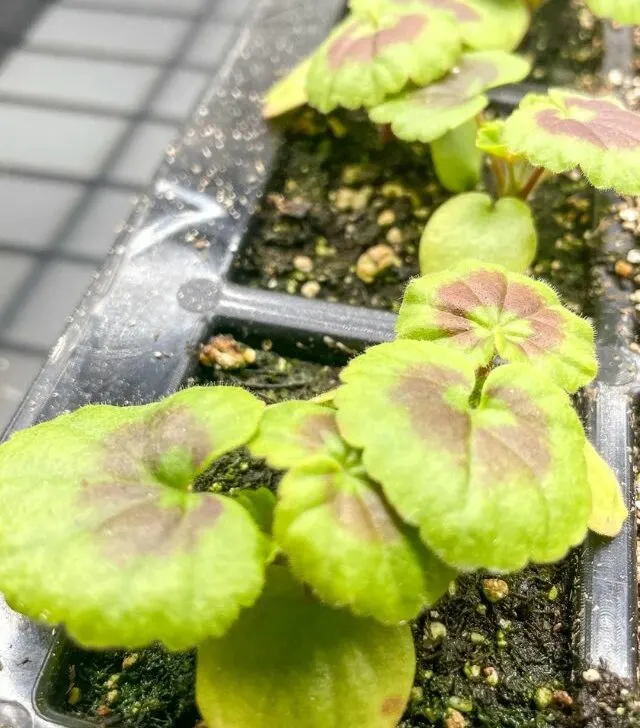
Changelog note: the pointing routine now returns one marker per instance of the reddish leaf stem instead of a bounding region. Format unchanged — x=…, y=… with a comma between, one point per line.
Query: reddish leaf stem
x=532, y=182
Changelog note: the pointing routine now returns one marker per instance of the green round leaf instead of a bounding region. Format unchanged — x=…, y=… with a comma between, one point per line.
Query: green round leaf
x=291, y=432
x=493, y=479
x=473, y=225
x=483, y=310
x=565, y=129
x=608, y=511
x=290, y=661
x=457, y=161
x=485, y=24
x=427, y=113
x=343, y=539
x=369, y=57
x=105, y=535
x=625, y=12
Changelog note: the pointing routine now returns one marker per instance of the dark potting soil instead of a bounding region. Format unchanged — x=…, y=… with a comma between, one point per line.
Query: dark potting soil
x=565, y=44
x=500, y=665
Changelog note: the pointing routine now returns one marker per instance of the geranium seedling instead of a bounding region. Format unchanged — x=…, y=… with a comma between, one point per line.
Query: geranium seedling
x=333, y=523
x=428, y=113
x=379, y=51
x=625, y=12
x=485, y=311
x=291, y=661
x=492, y=471
x=106, y=534
x=564, y=129
x=485, y=24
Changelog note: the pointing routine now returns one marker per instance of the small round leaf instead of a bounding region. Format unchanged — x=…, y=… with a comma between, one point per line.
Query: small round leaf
x=371, y=56
x=565, y=129
x=291, y=432
x=483, y=310
x=473, y=225
x=106, y=535
x=291, y=661
x=493, y=484
x=427, y=113
x=344, y=540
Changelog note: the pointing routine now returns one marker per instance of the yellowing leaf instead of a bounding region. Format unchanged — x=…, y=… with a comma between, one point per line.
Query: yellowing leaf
x=288, y=93
x=106, y=534
x=608, y=511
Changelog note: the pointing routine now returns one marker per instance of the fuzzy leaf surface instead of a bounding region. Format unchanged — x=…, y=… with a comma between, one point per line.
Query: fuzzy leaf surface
x=344, y=540
x=493, y=484
x=485, y=24
x=291, y=432
x=427, y=113
x=291, y=661
x=625, y=12
x=564, y=129
x=371, y=56
x=105, y=534
x=608, y=511
x=483, y=310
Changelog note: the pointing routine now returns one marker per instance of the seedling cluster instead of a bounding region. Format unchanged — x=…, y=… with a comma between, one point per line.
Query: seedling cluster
x=454, y=448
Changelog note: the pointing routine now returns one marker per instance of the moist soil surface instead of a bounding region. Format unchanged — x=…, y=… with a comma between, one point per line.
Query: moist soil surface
x=334, y=197
x=565, y=44
x=504, y=664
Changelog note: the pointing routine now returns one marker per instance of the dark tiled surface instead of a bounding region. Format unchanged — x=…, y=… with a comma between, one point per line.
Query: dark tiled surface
x=91, y=94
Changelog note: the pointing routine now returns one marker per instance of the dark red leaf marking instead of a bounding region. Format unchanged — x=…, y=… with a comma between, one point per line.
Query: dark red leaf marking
x=135, y=448
x=315, y=428
x=460, y=10
x=134, y=523
x=457, y=301
x=611, y=127
x=364, y=48
x=522, y=448
x=366, y=515
x=494, y=452
x=421, y=391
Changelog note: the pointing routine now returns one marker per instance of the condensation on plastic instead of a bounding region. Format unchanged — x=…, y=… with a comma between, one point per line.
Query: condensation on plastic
x=133, y=338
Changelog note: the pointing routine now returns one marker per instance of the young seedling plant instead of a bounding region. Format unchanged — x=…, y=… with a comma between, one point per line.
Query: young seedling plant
x=389, y=47
x=547, y=134
x=453, y=448
x=430, y=86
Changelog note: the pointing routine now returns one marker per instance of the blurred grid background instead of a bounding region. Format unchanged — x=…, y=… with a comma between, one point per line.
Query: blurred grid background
x=91, y=93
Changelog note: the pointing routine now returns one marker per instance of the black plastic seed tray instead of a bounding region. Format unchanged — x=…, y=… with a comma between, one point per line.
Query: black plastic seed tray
x=133, y=338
